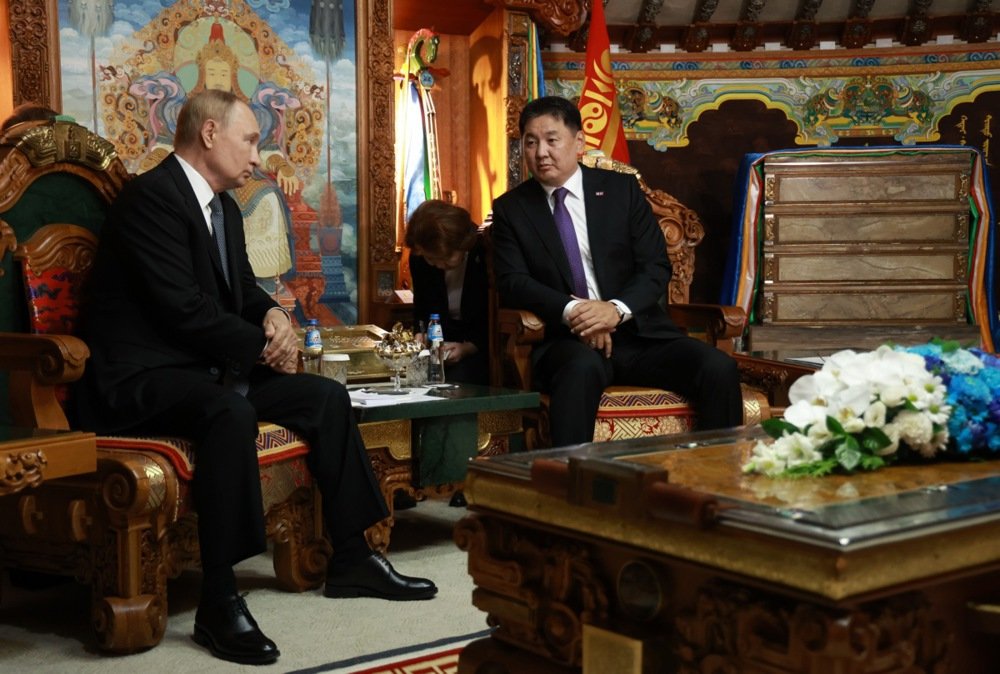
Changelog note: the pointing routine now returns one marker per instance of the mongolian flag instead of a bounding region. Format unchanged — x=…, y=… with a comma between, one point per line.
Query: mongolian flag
x=602, y=118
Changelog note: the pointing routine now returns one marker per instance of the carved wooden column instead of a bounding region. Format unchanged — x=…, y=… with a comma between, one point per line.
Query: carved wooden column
x=376, y=155
x=34, y=48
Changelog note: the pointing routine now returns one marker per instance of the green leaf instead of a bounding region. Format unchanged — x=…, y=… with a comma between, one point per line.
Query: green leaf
x=872, y=462
x=815, y=469
x=852, y=443
x=834, y=426
x=778, y=427
x=874, y=439
x=828, y=447
x=847, y=456
x=947, y=345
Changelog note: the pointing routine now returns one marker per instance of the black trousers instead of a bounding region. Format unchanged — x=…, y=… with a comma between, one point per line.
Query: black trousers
x=227, y=489
x=575, y=375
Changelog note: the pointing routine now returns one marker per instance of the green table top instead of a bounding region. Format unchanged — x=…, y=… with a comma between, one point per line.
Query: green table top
x=463, y=399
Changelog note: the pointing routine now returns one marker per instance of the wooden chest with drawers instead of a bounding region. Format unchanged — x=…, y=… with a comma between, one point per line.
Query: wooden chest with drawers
x=861, y=249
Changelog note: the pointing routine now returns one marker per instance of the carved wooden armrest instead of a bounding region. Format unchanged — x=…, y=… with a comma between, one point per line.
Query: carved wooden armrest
x=37, y=364
x=720, y=324
x=519, y=330
x=524, y=326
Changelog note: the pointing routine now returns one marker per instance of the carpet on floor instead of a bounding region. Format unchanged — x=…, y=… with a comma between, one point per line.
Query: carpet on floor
x=434, y=657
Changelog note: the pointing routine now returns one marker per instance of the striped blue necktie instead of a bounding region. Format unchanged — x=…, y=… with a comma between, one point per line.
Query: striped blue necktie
x=219, y=233
x=239, y=385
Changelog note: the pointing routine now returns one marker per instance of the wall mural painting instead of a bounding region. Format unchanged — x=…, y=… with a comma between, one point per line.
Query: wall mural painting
x=129, y=65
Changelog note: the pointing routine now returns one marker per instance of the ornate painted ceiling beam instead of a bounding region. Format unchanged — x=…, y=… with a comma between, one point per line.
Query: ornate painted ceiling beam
x=804, y=32
x=643, y=36
x=697, y=34
x=916, y=27
x=558, y=16
x=979, y=22
x=858, y=28
x=746, y=36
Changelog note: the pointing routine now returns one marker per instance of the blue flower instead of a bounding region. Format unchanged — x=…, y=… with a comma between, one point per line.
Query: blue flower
x=972, y=379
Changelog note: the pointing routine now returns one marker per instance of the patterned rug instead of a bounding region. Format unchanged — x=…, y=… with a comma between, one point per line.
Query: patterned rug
x=435, y=657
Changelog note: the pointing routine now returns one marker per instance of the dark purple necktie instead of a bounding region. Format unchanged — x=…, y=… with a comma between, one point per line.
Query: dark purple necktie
x=564, y=223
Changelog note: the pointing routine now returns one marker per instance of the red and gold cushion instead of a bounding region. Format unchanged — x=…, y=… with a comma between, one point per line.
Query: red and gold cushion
x=53, y=300
x=274, y=444
x=635, y=412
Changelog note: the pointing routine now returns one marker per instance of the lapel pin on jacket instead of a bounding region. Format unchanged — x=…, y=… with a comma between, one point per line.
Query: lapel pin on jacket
x=598, y=194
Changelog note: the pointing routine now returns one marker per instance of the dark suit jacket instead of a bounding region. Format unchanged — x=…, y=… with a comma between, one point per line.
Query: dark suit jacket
x=158, y=316
x=430, y=296
x=629, y=254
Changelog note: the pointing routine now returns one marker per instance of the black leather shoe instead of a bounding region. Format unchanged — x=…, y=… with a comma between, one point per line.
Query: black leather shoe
x=375, y=577
x=227, y=629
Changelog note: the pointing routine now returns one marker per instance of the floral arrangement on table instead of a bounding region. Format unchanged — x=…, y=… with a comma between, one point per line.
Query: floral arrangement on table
x=863, y=411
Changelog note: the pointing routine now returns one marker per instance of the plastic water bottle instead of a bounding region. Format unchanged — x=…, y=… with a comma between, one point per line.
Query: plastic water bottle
x=435, y=335
x=312, y=353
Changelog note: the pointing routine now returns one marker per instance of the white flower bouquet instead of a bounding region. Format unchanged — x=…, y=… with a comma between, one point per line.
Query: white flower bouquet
x=855, y=414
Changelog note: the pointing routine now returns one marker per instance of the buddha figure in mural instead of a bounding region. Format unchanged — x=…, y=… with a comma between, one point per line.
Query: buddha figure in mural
x=263, y=200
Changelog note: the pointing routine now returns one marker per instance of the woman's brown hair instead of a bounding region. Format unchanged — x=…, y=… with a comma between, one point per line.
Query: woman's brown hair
x=438, y=229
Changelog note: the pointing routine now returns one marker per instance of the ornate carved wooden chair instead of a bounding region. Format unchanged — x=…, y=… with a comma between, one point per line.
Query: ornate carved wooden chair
x=631, y=411
x=128, y=527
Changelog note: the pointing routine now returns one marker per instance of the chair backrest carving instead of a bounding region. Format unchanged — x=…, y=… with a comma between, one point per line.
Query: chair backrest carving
x=57, y=146
x=54, y=176
x=681, y=226
x=55, y=263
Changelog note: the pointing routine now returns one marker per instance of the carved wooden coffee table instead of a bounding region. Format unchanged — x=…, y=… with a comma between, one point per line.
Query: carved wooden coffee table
x=422, y=448
x=660, y=555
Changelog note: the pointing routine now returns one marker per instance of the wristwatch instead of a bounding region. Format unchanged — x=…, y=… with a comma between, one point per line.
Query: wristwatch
x=621, y=312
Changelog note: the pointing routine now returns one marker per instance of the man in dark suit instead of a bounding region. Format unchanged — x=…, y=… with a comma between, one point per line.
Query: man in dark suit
x=580, y=248
x=183, y=342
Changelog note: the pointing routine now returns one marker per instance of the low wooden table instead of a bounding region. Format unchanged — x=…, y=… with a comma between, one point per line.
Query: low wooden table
x=30, y=455
x=660, y=555
x=423, y=448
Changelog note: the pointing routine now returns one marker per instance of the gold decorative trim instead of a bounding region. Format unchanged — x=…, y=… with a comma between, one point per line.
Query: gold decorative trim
x=60, y=146
x=66, y=142
x=770, y=270
x=770, y=227
x=500, y=422
x=22, y=470
x=962, y=227
x=963, y=185
x=961, y=266
x=961, y=303
x=494, y=427
x=394, y=435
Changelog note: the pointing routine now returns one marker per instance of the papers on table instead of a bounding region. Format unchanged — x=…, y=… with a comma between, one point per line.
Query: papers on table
x=382, y=396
